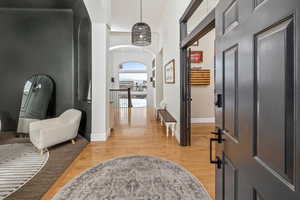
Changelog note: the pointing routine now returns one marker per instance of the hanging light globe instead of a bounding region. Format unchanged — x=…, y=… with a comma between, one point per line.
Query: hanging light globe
x=141, y=32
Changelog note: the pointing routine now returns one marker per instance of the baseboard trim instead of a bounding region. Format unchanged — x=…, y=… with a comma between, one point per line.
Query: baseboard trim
x=202, y=120
x=98, y=137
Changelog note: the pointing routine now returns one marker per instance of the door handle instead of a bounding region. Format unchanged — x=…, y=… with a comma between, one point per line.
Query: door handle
x=219, y=101
x=219, y=132
x=218, y=160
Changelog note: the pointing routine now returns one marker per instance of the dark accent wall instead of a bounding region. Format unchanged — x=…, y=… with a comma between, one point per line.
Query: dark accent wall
x=44, y=37
x=35, y=42
x=37, y=4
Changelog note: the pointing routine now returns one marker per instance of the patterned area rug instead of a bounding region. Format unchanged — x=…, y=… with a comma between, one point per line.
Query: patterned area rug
x=134, y=178
x=19, y=163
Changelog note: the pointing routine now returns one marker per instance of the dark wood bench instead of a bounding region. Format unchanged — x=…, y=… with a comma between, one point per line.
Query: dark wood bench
x=166, y=118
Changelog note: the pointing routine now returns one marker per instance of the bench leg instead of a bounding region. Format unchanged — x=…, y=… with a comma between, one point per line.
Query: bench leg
x=161, y=121
x=167, y=127
x=173, y=129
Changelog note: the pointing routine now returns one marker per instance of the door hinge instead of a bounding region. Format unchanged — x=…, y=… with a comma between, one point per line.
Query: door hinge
x=219, y=101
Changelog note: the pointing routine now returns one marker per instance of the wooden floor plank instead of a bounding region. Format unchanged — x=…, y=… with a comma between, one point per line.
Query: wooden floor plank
x=138, y=132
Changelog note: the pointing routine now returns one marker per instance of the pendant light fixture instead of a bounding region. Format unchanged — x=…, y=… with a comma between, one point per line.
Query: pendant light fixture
x=141, y=32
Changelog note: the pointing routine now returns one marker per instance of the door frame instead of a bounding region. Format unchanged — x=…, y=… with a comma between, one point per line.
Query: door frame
x=186, y=40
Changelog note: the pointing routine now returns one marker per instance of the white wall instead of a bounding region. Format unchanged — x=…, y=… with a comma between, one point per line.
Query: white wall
x=169, y=35
x=99, y=11
x=159, y=79
x=123, y=55
x=203, y=96
x=100, y=81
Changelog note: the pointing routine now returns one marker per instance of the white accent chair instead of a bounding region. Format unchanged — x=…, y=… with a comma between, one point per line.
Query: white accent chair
x=49, y=132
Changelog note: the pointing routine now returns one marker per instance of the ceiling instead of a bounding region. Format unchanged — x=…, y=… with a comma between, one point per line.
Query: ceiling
x=125, y=13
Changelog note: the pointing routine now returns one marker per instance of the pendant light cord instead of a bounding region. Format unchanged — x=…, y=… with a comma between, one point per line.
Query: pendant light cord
x=141, y=9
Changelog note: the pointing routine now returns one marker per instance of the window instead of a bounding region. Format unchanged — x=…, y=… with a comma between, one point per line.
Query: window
x=133, y=75
x=133, y=66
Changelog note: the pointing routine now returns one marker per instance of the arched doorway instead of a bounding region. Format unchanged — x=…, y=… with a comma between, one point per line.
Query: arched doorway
x=133, y=64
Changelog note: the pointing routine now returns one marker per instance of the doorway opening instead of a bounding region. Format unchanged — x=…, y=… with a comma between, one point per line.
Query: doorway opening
x=133, y=75
x=202, y=84
x=197, y=57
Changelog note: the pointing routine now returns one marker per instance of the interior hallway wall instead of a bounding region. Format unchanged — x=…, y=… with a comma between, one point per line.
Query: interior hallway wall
x=203, y=96
x=169, y=41
x=99, y=12
x=159, y=79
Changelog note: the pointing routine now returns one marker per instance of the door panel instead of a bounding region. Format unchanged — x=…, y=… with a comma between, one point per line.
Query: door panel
x=257, y=3
x=257, y=74
x=230, y=91
x=256, y=195
x=230, y=179
x=230, y=17
x=274, y=91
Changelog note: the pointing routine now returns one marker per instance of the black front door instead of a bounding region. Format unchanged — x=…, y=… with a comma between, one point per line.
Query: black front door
x=258, y=82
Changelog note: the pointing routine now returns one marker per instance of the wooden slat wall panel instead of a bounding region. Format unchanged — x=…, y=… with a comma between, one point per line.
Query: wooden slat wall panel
x=200, y=77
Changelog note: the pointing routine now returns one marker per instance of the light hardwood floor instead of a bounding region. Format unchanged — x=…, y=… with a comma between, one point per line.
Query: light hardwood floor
x=138, y=132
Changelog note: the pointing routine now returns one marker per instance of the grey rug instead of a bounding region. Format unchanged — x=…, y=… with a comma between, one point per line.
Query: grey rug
x=19, y=163
x=134, y=178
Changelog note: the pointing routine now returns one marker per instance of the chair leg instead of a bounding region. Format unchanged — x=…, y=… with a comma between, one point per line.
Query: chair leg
x=73, y=141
